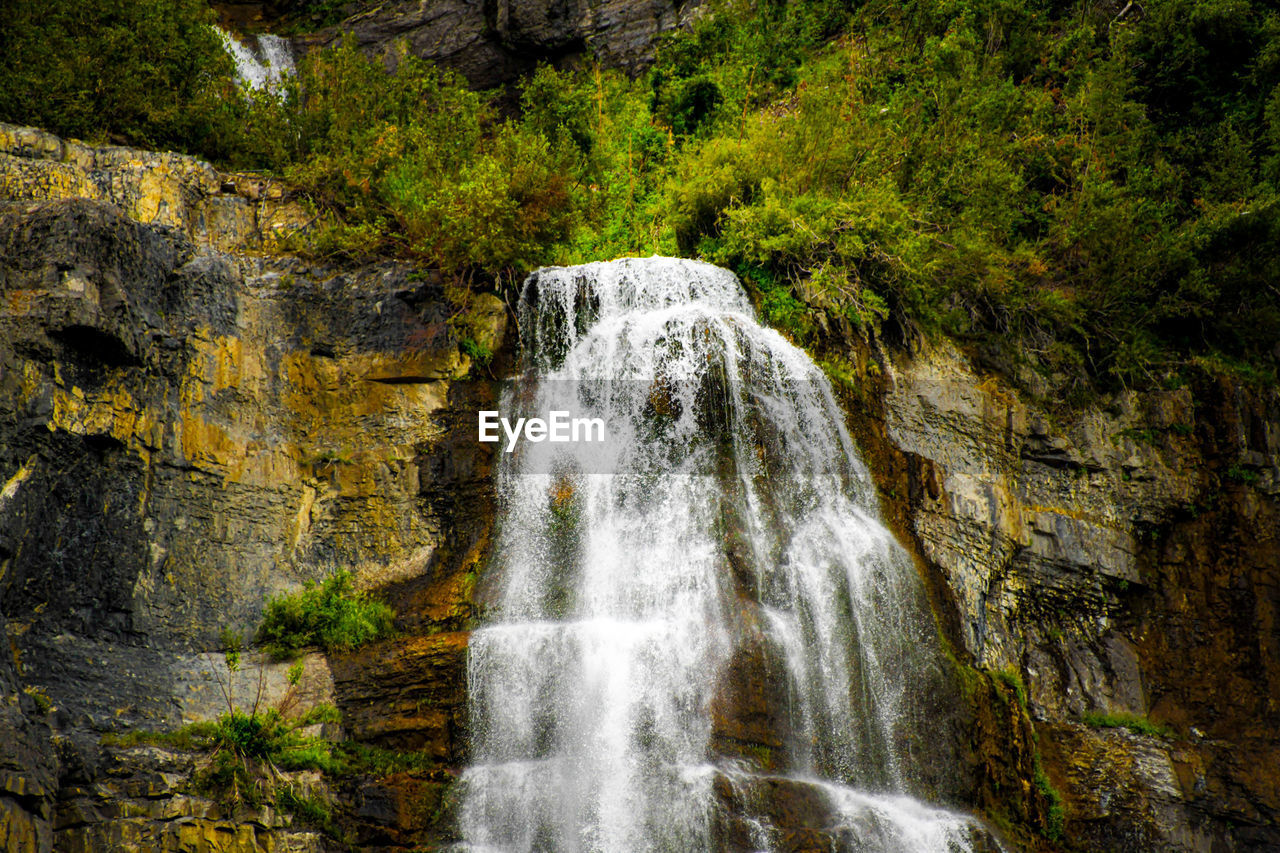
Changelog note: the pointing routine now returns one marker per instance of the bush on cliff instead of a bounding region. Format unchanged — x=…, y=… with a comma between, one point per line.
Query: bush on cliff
x=1093, y=191
x=245, y=752
x=331, y=614
x=409, y=162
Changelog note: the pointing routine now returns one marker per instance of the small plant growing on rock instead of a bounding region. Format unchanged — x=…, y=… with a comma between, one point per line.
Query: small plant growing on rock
x=478, y=352
x=329, y=457
x=42, y=700
x=332, y=615
x=247, y=753
x=1055, y=819
x=1135, y=723
x=1240, y=474
x=1011, y=679
x=248, y=749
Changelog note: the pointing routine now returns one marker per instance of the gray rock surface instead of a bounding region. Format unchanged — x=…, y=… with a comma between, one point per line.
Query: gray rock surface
x=491, y=42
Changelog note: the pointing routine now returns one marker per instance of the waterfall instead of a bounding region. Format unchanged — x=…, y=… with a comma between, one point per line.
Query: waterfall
x=263, y=68
x=696, y=634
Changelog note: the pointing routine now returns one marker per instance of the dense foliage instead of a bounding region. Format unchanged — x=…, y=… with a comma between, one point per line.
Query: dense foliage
x=145, y=72
x=1089, y=189
x=1098, y=189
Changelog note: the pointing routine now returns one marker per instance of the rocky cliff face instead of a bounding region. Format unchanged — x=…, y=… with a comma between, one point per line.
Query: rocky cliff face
x=489, y=42
x=191, y=421
x=1121, y=559
x=188, y=427
x=492, y=43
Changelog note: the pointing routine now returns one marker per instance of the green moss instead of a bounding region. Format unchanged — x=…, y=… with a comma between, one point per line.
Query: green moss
x=762, y=754
x=1240, y=474
x=478, y=352
x=377, y=761
x=310, y=809
x=190, y=738
x=1013, y=680
x=43, y=703
x=1145, y=436
x=1133, y=722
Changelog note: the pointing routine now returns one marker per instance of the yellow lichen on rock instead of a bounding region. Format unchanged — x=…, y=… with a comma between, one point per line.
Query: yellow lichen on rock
x=225, y=212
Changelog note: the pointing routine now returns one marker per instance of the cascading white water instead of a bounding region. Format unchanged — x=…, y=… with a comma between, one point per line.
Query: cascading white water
x=264, y=68
x=698, y=636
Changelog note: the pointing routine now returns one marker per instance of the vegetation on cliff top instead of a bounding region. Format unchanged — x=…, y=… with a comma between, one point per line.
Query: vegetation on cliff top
x=1096, y=185
x=148, y=72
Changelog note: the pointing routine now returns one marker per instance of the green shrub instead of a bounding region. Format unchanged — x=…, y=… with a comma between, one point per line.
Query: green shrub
x=332, y=615
x=1239, y=474
x=478, y=352
x=1095, y=196
x=149, y=73
x=308, y=808
x=246, y=750
x=998, y=173
x=377, y=761
x=1011, y=679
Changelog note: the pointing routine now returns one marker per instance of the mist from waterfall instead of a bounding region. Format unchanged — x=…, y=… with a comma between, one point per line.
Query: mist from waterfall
x=697, y=636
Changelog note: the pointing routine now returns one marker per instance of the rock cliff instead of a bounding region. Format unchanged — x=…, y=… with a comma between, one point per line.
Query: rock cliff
x=489, y=43
x=1121, y=560
x=189, y=427
x=191, y=420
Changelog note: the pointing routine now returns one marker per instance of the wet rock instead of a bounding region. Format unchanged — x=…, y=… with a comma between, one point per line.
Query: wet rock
x=407, y=694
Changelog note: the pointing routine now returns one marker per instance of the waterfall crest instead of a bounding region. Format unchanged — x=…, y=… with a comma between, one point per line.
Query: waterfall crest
x=264, y=66
x=697, y=637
